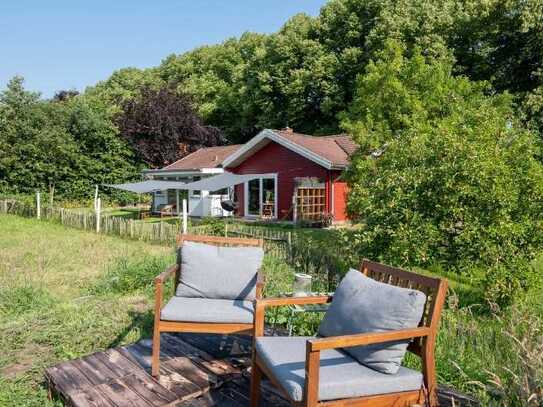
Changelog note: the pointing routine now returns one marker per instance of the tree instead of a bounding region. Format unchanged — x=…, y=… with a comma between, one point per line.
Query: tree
x=161, y=126
x=36, y=148
x=66, y=147
x=446, y=174
x=64, y=95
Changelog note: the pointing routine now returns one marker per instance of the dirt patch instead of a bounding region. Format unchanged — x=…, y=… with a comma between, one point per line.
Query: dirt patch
x=24, y=360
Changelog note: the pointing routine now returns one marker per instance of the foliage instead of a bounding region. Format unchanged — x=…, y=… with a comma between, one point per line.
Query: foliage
x=64, y=147
x=162, y=127
x=446, y=174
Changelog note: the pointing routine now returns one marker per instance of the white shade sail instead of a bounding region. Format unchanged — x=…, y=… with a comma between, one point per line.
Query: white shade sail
x=149, y=186
x=224, y=180
x=213, y=183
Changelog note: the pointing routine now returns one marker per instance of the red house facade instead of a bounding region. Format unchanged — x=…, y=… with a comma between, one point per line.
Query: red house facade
x=291, y=162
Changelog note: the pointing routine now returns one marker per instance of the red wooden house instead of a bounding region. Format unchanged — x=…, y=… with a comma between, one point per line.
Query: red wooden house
x=303, y=175
x=278, y=174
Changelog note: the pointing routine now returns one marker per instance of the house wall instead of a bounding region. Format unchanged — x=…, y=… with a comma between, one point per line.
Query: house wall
x=340, y=199
x=288, y=165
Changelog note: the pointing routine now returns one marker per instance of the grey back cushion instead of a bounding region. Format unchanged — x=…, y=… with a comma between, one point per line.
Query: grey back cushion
x=362, y=305
x=209, y=271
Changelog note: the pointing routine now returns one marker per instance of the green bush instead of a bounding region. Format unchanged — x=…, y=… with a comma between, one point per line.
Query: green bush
x=445, y=175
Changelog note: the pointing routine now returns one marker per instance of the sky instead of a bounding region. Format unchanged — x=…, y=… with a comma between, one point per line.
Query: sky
x=72, y=44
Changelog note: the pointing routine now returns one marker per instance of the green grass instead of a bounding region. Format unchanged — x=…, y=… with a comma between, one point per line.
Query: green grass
x=65, y=293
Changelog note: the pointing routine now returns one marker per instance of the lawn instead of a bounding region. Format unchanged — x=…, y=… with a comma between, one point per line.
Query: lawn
x=66, y=293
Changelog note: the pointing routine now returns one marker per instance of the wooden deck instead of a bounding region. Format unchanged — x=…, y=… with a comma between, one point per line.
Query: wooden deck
x=197, y=370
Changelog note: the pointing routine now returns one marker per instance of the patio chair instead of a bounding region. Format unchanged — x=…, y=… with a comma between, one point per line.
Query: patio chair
x=216, y=282
x=356, y=359
x=165, y=210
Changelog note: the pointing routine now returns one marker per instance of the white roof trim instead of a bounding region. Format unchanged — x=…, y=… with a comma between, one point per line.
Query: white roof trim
x=273, y=136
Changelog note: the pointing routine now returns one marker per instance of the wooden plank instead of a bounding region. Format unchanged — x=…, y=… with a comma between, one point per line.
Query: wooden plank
x=94, y=370
x=156, y=394
x=234, y=349
x=192, y=373
x=117, y=362
x=215, y=365
x=90, y=397
x=121, y=395
x=67, y=378
x=170, y=379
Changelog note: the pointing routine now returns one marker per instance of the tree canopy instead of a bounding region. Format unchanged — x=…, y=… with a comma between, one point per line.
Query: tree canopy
x=445, y=98
x=161, y=126
x=445, y=174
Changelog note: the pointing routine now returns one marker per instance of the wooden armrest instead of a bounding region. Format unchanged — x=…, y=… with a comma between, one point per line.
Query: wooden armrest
x=162, y=277
x=346, y=341
x=280, y=301
x=261, y=304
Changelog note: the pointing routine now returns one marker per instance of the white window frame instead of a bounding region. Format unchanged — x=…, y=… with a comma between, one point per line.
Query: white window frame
x=261, y=189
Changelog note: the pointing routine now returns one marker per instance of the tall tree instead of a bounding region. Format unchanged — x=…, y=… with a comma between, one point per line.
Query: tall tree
x=66, y=146
x=446, y=174
x=162, y=126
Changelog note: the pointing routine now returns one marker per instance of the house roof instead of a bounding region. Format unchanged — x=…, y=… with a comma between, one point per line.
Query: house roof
x=208, y=157
x=332, y=152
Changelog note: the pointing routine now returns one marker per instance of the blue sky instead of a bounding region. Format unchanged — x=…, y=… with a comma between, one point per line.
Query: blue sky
x=71, y=44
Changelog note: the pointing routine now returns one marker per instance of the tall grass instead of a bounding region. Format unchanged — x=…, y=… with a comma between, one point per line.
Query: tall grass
x=65, y=293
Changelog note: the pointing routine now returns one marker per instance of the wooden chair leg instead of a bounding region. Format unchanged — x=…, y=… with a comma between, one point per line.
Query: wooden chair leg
x=155, y=359
x=256, y=378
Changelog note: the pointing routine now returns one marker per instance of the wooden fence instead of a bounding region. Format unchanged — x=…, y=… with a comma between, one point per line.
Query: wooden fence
x=277, y=242
x=303, y=254
x=160, y=232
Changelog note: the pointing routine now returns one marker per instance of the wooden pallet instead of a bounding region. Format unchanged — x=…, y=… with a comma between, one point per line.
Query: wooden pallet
x=121, y=377
x=197, y=370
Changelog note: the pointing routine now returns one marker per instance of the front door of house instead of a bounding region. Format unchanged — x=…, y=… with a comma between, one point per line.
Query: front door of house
x=261, y=197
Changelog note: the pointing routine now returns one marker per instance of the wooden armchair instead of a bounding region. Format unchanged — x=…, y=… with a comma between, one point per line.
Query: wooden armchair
x=165, y=210
x=422, y=345
x=165, y=323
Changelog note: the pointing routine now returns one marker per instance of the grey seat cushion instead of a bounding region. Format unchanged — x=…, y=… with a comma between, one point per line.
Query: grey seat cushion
x=340, y=376
x=362, y=305
x=219, y=272
x=208, y=310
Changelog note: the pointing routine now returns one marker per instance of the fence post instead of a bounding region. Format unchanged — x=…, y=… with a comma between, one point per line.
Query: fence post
x=185, y=210
x=131, y=224
x=225, y=229
x=98, y=208
x=289, y=245
x=96, y=197
x=38, y=205
x=295, y=209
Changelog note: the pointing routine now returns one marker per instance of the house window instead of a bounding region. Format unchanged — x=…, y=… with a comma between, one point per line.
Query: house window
x=261, y=197
x=253, y=198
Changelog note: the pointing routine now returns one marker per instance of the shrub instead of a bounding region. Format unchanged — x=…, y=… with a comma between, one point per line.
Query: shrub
x=444, y=175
